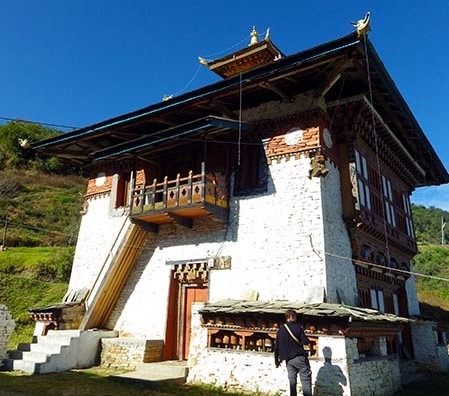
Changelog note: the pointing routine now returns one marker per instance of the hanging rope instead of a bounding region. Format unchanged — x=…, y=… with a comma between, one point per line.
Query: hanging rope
x=240, y=123
x=384, y=188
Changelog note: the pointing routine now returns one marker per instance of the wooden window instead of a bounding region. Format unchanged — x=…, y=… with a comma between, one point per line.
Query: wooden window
x=364, y=297
x=122, y=189
x=395, y=304
x=408, y=215
x=363, y=180
x=251, y=174
x=389, y=305
x=388, y=199
x=377, y=300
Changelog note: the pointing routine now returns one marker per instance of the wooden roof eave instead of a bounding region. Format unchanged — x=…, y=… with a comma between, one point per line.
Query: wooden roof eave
x=282, y=66
x=440, y=173
x=145, y=143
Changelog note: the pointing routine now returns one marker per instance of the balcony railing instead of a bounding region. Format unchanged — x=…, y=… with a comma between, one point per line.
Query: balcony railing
x=192, y=196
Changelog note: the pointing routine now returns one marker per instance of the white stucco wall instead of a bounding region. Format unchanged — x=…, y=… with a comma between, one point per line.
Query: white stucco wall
x=98, y=230
x=338, y=370
x=428, y=353
x=412, y=296
x=275, y=241
x=340, y=275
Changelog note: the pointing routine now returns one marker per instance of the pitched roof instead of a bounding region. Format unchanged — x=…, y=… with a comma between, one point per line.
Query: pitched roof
x=336, y=70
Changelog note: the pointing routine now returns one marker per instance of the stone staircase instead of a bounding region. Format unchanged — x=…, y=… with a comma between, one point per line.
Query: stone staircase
x=59, y=350
x=172, y=371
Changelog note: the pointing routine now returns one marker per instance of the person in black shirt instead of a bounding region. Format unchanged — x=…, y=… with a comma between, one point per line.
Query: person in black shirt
x=289, y=347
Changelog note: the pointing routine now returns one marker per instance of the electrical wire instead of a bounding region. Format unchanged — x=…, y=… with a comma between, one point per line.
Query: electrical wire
x=418, y=274
x=28, y=227
x=47, y=124
x=386, y=268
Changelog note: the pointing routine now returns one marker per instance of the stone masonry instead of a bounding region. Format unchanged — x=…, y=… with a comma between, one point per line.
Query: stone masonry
x=127, y=353
x=7, y=326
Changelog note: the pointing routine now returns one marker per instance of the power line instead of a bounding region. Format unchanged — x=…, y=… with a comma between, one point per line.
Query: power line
x=28, y=227
x=48, y=124
x=388, y=268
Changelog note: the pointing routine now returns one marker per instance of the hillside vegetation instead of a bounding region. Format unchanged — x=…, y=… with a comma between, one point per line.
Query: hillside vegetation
x=40, y=203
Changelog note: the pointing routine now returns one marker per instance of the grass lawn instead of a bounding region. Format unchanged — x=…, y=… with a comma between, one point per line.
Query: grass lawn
x=98, y=382
x=437, y=385
x=90, y=382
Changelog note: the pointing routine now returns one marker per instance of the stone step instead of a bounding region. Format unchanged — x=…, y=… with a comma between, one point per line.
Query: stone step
x=26, y=366
x=59, y=350
x=172, y=372
x=55, y=339
x=169, y=368
x=68, y=333
x=37, y=357
x=46, y=348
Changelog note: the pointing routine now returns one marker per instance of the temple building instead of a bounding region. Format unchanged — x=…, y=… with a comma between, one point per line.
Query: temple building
x=285, y=184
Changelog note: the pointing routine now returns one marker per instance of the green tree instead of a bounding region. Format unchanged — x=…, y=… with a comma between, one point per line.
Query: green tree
x=428, y=223
x=13, y=155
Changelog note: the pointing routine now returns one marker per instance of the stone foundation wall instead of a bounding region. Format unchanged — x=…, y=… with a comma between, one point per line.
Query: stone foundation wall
x=428, y=354
x=7, y=326
x=338, y=369
x=127, y=353
x=376, y=376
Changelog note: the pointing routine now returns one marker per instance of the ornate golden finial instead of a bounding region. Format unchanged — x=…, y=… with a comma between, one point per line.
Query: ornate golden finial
x=267, y=35
x=254, y=37
x=202, y=61
x=362, y=25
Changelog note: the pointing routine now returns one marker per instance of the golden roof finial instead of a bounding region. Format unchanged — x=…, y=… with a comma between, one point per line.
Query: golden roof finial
x=254, y=37
x=267, y=35
x=362, y=25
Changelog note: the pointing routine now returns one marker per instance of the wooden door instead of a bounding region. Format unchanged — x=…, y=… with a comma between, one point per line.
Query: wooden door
x=179, y=315
x=192, y=294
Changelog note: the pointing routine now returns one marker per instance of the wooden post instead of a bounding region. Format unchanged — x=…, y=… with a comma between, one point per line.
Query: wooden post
x=165, y=192
x=153, y=195
x=178, y=176
x=4, y=232
x=203, y=181
x=189, y=188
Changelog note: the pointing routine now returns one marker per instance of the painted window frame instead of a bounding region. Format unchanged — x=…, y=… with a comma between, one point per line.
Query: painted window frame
x=363, y=188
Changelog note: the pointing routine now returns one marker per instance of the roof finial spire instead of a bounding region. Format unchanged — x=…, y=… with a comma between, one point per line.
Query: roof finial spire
x=267, y=35
x=254, y=37
x=362, y=25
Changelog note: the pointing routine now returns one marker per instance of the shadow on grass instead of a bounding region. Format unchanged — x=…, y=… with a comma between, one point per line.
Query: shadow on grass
x=93, y=382
x=437, y=385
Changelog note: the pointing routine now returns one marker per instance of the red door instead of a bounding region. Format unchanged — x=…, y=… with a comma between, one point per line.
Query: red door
x=177, y=335
x=192, y=294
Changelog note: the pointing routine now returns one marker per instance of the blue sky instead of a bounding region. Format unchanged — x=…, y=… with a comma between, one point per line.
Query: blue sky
x=79, y=62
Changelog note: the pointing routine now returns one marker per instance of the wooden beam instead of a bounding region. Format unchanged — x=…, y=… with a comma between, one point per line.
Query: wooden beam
x=271, y=87
x=332, y=78
x=150, y=227
x=223, y=109
x=183, y=221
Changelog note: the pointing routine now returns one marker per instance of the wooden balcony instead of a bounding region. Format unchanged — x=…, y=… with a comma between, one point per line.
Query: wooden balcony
x=181, y=200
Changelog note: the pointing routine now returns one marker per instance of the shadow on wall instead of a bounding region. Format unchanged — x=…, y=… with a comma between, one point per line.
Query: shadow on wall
x=330, y=379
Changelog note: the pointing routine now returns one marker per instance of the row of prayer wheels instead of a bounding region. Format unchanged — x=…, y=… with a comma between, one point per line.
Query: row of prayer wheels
x=260, y=343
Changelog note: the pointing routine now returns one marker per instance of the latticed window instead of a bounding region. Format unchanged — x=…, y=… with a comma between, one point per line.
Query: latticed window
x=363, y=180
x=408, y=215
x=388, y=199
x=377, y=300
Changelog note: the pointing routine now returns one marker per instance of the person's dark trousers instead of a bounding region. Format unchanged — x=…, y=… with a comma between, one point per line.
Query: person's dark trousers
x=300, y=365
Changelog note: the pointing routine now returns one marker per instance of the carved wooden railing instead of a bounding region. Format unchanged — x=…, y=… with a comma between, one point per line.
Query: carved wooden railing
x=181, y=192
